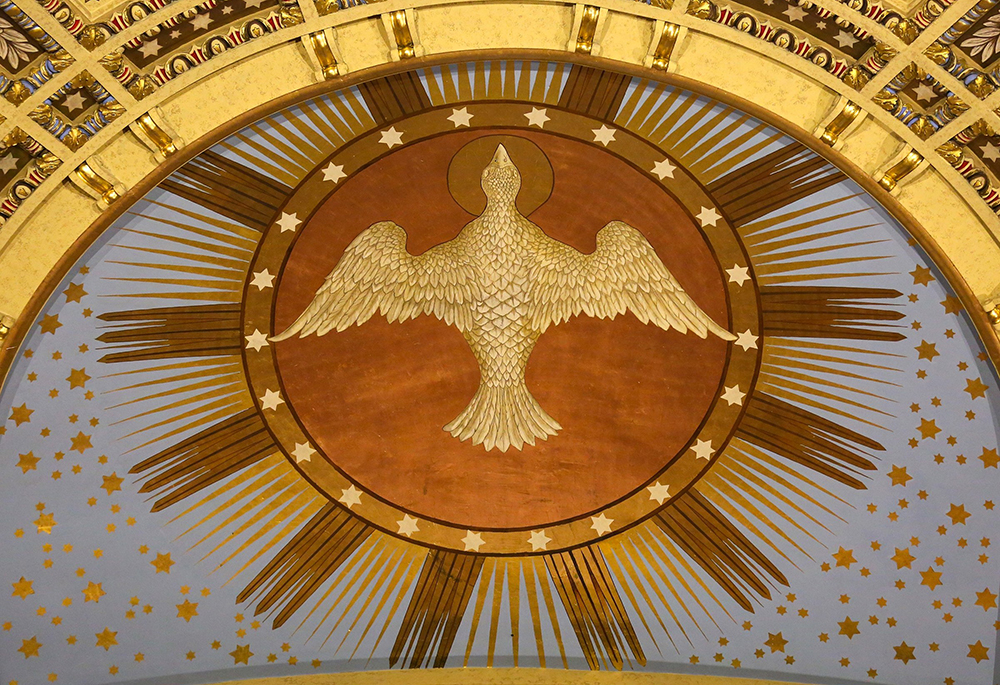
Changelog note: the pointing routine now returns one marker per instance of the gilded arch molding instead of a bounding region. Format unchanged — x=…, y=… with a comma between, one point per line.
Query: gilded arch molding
x=101, y=183
x=306, y=46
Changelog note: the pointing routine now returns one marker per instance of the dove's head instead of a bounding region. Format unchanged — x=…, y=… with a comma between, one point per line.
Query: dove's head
x=501, y=180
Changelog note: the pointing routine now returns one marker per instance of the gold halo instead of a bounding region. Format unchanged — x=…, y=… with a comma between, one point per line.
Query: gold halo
x=467, y=166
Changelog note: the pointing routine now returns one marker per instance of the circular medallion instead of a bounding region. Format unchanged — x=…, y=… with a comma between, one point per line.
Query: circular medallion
x=610, y=415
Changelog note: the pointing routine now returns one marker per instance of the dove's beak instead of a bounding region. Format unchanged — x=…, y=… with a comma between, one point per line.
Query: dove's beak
x=501, y=158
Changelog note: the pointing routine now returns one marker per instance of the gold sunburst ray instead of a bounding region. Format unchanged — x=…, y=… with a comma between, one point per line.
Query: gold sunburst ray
x=732, y=488
x=631, y=577
x=809, y=377
x=211, y=387
x=371, y=589
x=265, y=495
x=784, y=353
x=298, y=505
x=368, y=559
x=623, y=583
x=651, y=557
x=745, y=457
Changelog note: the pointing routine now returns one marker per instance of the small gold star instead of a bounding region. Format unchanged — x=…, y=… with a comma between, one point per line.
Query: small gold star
x=27, y=462
x=930, y=578
x=45, y=523
x=74, y=292
x=848, y=628
x=93, y=593
x=22, y=588
x=81, y=442
x=928, y=429
x=50, y=323
x=30, y=647
x=776, y=642
x=927, y=350
x=106, y=638
x=78, y=378
x=187, y=610
x=112, y=483
x=241, y=655
x=986, y=599
x=951, y=304
x=162, y=563
x=975, y=387
x=958, y=514
x=844, y=557
x=20, y=414
x=990, y=458
x=979, y=651
x=903, y=558
x=921, y=275
x=904, y=653
x=899, y=476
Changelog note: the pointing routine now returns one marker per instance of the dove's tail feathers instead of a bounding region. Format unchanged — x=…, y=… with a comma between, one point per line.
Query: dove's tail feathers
x=502, y=417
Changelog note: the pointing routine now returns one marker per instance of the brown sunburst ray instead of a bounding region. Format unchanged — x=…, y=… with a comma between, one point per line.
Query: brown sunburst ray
x=439, y=601
x=595, y=608
x=306, y=562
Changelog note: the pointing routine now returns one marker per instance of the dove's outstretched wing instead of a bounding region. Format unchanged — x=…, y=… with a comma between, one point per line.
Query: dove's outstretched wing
x=622, y=274
x=377, y=274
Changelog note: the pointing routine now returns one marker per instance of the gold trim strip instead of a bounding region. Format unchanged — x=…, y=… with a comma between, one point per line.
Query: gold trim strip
x=163, y=142
x=401, y=34
x=102, y=187
x=665, y=46
x=324, y=54
x=900, y=170
x=588, y=29
x=844, y=119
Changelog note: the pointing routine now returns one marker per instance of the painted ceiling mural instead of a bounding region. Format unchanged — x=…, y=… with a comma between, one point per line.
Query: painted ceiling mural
x=501, y=363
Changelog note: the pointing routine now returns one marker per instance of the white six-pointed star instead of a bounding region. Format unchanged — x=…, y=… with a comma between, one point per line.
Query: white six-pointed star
x=202, y=21
x=271, y=400
x=303, y=452
x=846, y=39
x=473, y=541
x=703, y=449
x=708, y=216
x=407, y=526
x=537, y=117
x=539, y=540
x=738, y=274
x=334, y=172
x=746, y=340
x=460, y=117
x=350, y=497
x=990, y=152
x=795, y=13
x=262, y=279
x=733, y=395
x=660, y=493
x=601, y=524
x=391, y=138
x=664, y=169
x=604, y=135
x=288, y=222
x=256, y=340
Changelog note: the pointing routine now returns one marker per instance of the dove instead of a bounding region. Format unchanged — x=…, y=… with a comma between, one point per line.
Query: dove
x=502, y=282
